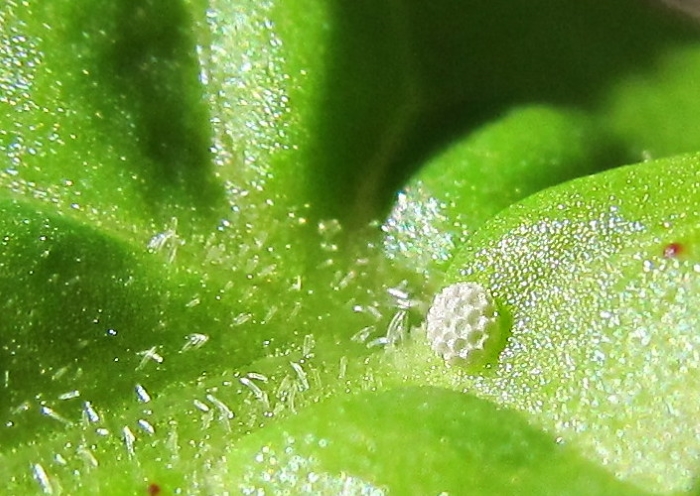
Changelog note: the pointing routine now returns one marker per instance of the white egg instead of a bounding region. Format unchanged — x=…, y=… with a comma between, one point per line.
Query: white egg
x=462, y=323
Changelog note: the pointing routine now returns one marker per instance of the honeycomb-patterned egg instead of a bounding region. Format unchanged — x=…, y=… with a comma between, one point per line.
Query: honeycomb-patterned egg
x=463, y=323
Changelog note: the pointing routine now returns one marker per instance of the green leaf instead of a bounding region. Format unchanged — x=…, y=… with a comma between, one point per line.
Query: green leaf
x=598, y=279
x=220, y=137
x=654, y=112
x=104, y=123
x=409, y=441
x=526, y=150
x=88, y=316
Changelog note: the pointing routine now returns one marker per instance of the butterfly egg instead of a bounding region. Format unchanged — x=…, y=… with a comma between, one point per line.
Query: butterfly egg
x=463, y=324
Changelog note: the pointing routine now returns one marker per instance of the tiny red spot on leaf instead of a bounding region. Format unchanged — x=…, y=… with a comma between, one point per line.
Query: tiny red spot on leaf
x=153, y=490
x=672, y=250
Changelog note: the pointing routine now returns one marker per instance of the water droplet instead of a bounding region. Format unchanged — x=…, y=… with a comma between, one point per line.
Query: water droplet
x=224, y=410
x=69, y=395
x=142, y=394
x=201, y=406
x=149, y=355
x=52, y=414
x=90, y=413
x=301, y=374
x=146, y=426
x=195, y=341
x=42, y=478
x=129, y=440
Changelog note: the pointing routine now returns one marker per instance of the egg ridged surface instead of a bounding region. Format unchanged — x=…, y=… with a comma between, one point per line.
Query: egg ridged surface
x=461, y=322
